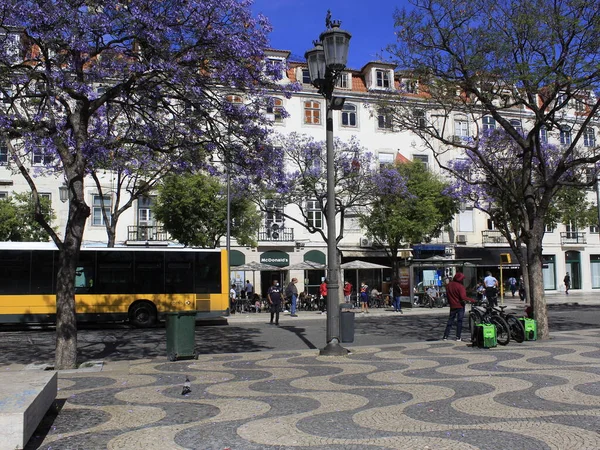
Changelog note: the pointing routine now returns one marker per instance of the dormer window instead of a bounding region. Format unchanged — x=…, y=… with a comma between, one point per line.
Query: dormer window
x=306, y=77
x=343, y=82
x=411, y=86
x=382, y=78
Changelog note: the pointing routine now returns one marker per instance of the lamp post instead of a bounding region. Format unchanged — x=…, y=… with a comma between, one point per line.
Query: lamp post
x=325, y=63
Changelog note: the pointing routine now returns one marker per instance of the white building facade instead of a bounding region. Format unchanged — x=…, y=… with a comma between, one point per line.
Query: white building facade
x=470, y=236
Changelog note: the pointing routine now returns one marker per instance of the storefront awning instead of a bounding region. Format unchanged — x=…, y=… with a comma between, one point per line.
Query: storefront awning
x=488, y=257
x=315, y=256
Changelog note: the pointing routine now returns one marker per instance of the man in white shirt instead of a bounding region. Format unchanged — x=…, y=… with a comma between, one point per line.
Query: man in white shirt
x=232, y=298
x=491, y=288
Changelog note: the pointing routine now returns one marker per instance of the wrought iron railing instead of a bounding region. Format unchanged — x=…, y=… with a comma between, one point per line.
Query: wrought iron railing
x=276, y=235
x=492, y=237
x=146, y=233
x=572, y=237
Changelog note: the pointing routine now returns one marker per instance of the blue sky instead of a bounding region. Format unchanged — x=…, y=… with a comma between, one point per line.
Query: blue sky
x=296, y=23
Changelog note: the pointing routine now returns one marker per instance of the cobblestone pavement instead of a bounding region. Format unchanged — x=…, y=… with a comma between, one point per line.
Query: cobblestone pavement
x=427, y=395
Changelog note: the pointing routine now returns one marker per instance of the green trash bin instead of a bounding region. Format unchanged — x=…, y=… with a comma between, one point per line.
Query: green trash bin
x=181, y=335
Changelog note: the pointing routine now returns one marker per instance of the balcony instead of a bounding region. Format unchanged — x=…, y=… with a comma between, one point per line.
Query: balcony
x=146, y=233
x=492, y=237
x=276, y=235
x=572, y=238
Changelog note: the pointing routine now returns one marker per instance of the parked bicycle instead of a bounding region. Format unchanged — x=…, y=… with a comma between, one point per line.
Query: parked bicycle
x=483, y=313
x=517, y=330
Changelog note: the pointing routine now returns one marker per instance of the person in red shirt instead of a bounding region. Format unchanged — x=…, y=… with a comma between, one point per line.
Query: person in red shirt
x=457, y=298
x=347, y=291
x=323, y=292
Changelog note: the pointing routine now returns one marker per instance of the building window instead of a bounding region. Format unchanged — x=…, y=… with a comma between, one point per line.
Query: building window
x=565, y=135
x=343, y=82
x=385, y=159
x=40, y=158
x=516, y=124
x=411, y=86
x=349, y=115
x=145, y=216
x=384, y=119
x=571, y=230
x=274, y=212
x=275, y=109
x=306, y=77
x=423, y=158
x=465, y=220
x=579, y=105
x=549, y=228
x=383, y=78
x=3, y=195
x=420, y=119
x=461, y=127
x=234, y=98
x=314, y=214
x=312, y=112
x=590, y=175
x=589, y=137
x=543, y=135
x=3, y=152
x=595, y=271
x=97, y=216
x=489, y=123
x=594, y=229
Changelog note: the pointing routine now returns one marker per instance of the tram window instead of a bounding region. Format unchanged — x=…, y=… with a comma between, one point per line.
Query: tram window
x=149, y=272
x=42, y=266
x=15, y=270
x=84, y=273
x=179, y=272
x=115, y=273
x=207, y=276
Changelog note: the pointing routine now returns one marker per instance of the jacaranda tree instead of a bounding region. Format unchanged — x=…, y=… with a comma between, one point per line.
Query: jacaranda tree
x=299, y=178
x=528, y=68
x=139, y=84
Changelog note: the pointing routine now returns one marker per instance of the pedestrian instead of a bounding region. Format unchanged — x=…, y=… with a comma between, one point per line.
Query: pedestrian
x=347, y=291
x=232, y=299
x=274, y=297
x=249, y=289
x=364, y=297
x=397, y=293
x=323, y=295
x=512, y=284
x=522, y=294
x=291, y=292
x=457, y=298
x=567, y=281
x=491, y=288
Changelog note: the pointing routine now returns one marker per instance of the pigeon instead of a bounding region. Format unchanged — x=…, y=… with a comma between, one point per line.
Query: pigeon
x=186, y=387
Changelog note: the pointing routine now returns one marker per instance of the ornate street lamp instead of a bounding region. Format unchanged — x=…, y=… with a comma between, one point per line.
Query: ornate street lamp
x=325, y=63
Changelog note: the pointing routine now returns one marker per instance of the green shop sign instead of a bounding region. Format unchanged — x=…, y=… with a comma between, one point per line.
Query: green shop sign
x=275, y=258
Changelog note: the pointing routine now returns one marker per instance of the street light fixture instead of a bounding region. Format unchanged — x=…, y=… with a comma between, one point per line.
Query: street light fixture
x=325, y=63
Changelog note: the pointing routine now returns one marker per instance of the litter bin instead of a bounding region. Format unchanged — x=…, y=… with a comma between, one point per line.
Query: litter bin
x=181, y=335
x=347, y=322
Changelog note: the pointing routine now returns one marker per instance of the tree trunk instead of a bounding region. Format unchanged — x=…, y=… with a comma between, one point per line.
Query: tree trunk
x=536, y=285
x=66, y=325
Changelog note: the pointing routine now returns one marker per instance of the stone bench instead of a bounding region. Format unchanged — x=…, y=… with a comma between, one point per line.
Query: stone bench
x=25, y=397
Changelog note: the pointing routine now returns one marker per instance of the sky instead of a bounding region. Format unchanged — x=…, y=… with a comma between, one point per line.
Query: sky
x=297, y=23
